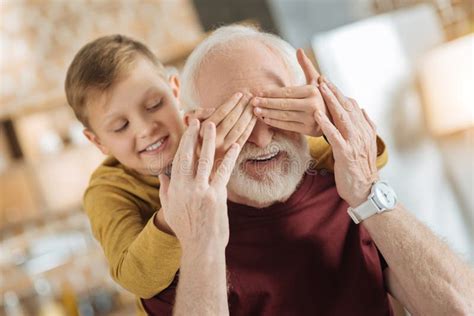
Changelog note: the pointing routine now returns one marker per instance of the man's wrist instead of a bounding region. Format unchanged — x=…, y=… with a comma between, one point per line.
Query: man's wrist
x=209, y=255
x=358, y=201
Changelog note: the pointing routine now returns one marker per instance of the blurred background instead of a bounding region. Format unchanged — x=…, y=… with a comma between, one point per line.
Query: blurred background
x=409, y=63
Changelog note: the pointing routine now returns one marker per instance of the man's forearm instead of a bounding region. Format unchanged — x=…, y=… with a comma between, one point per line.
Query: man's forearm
x=202, y=287
x=434, y=277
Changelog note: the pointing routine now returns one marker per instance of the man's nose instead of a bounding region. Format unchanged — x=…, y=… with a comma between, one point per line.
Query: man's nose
x=262, y=134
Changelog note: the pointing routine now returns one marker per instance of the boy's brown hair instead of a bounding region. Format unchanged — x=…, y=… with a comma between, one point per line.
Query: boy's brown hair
x=99, y=65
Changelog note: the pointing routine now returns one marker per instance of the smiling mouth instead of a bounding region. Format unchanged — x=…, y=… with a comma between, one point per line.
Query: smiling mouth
x=265, y=158
x=155, y=147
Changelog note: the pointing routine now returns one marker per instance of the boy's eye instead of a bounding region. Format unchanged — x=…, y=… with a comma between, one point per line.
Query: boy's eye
x=121, y=128
x=156, y=105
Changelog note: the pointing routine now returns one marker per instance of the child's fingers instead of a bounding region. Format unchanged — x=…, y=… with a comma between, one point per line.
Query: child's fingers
x=222, y=111
x=239, y=127
x=228, y=122
x=286, y=125
x=225, y=168
x=292, y=116
x=295, y=92
x=248, y=131
x=206, y=159
x=282, y=103
x=308, y=68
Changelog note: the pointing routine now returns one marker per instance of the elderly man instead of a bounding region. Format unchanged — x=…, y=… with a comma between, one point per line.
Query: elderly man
x=293, y=248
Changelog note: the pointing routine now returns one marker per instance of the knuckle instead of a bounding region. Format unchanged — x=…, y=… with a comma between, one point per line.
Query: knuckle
x=312, y=90
x=288, y=91
x=204, y=162
x=221, y=112
x=210, y=198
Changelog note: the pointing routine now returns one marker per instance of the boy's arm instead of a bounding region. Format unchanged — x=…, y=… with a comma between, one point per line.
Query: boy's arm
x=321, y=152
x=142, y=259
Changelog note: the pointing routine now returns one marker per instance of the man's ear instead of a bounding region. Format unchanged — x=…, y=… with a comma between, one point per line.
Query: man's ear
x=93, y=138
x=186, y=118
x=175, y=85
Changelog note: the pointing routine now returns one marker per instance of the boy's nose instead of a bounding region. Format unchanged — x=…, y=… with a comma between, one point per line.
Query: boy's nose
x=262, y=135
x=145, y=129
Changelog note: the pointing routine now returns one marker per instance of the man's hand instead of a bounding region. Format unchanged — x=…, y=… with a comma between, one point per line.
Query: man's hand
x=195, y=206
x=234, y=121
x=293, y=108
x=353, y=141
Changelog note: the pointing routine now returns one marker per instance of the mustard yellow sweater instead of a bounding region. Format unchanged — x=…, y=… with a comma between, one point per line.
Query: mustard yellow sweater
x=121, y=205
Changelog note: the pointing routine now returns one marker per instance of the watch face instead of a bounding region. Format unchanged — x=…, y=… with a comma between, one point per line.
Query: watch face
x=385, y=195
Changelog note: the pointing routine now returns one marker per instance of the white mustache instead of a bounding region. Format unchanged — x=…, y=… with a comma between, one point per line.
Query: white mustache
x=251, y=151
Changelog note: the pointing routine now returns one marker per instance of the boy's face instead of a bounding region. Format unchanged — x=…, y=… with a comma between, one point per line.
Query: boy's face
x=138, y=120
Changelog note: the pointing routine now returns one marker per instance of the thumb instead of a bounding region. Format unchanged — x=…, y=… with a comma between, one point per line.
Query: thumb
x=310, y=72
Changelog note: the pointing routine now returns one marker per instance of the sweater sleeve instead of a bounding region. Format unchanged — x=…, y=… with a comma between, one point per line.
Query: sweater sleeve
x=142, y=259
x=322, y=154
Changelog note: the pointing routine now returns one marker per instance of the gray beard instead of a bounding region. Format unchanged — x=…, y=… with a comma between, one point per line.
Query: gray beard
x=275, y=185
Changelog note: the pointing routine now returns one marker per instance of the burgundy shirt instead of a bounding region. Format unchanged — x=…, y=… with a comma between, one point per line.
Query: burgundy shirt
x=301, y=257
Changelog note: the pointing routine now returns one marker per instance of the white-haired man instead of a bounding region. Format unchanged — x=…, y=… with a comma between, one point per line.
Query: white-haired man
x=293, y=248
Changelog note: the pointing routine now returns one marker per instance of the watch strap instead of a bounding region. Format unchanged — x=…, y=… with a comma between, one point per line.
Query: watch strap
x=363, y=211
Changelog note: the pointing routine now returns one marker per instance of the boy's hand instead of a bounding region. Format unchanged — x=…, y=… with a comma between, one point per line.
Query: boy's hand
x=293, y=108
x=234, y=121
x=194, y=205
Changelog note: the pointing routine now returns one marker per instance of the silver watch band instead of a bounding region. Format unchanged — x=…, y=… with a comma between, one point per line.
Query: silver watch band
x=363, y=211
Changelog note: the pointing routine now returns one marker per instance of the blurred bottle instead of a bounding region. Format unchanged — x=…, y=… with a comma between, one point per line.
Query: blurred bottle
x=68, y=299
x=12, y=304
x=47, y=304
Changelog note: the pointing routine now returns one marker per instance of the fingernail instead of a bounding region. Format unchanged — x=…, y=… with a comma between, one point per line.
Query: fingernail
x=238, y=95
x=258, y=111
x=256, y=101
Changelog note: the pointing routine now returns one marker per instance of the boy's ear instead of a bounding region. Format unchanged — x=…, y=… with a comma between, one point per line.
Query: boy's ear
x=93, y=138
x=175, y=85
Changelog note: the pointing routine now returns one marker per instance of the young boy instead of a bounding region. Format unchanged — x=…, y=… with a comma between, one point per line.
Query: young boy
x=130, y=110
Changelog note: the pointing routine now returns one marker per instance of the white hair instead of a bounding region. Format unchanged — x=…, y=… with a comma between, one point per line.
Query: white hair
x=227, y=34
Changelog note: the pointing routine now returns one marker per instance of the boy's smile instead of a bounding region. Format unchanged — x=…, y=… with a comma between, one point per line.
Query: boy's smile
x=138, y=121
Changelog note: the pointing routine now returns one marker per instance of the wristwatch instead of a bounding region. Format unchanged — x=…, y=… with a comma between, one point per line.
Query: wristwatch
x=382, y=198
